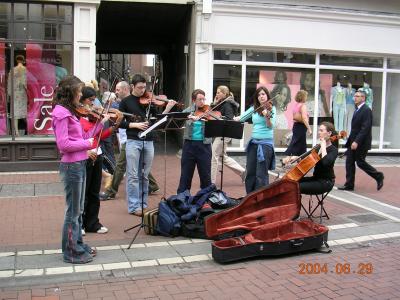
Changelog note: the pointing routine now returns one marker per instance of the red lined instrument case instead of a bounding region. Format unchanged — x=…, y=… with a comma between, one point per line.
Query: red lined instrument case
x=262, y=225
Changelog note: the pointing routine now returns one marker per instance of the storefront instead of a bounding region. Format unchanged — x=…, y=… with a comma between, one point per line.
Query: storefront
x=329, y=52
x=39, y=45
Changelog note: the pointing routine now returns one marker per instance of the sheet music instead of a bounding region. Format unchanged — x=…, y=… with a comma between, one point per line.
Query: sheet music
x=144, y=133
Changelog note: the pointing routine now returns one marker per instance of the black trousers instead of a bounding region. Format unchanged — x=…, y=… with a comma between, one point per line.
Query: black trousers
x=195, y=153
x=358, y=156
x=91, y=210
x=315, y=186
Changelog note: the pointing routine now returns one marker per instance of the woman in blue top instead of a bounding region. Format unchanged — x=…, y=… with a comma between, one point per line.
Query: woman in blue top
x=260, y=152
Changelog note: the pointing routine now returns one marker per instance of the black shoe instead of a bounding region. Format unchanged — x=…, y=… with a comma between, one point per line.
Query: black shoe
x=345, y=188
x=106, y=196
x=379, y=182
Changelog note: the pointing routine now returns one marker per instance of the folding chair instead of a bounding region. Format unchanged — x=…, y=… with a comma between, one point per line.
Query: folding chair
x=320, y=203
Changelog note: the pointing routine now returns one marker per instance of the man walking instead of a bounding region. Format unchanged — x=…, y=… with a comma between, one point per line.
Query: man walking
x=358, y=144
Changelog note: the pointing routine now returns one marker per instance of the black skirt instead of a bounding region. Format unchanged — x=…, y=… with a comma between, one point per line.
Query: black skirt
x=298, y=144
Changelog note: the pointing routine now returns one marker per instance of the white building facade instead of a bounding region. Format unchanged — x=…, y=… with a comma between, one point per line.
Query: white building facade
x=292, y=45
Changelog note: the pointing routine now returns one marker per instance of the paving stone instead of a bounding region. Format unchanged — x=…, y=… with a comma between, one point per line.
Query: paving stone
x=7, y=263
x=150, y=253
x=12, y=190
x=54, y=188
x=39, y=261
x=193, y=249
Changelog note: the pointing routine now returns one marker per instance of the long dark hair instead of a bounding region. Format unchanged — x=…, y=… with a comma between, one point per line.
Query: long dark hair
x=66, y=92
x=256, y=104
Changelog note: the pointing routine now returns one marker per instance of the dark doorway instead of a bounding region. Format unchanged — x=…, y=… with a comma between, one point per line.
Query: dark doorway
x=148, y=28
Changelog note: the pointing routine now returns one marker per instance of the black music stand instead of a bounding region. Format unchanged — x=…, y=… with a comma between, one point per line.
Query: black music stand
x=164, y=122
x=223, y=129
x=175, y=121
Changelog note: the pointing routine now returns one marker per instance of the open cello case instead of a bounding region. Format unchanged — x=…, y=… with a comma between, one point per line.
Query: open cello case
x=262, y=225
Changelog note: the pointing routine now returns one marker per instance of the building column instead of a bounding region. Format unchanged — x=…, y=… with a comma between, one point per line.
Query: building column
x=85, y=41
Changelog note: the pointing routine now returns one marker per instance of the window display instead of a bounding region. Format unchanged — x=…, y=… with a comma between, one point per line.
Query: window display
x=30, y=71
x=336, y=88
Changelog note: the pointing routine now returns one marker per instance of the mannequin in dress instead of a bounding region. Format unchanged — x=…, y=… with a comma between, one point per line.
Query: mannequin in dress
x=369, y=98
x=338, y=105
x=349, y=92
x=20, y=100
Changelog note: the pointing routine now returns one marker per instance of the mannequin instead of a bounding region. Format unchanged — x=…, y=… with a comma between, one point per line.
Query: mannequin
x=369, y=94
x=20, y=99
x=350, y=106
x=338, y=105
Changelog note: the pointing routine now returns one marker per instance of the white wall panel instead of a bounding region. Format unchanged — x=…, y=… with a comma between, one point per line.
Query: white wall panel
x=302, y=29
x=85, y=41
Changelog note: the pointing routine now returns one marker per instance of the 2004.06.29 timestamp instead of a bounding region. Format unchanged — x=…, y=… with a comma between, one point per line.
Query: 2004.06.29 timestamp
x=338, y=268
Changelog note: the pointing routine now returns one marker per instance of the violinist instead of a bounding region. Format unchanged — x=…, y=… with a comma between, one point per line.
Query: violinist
x=323, y=177
x=196, y=150
x=137, y=147
x=90, y=217
x=228, y=108
x=73, y=143
x=260, y=153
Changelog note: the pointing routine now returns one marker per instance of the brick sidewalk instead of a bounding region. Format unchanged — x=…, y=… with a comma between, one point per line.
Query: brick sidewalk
x=270, y=278
x=30, y=223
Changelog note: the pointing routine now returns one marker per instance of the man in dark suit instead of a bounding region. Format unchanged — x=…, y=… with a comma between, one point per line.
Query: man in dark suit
x=358, y=144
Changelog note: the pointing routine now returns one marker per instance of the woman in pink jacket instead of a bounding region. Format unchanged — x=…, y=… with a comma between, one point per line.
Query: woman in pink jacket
x=73, y=143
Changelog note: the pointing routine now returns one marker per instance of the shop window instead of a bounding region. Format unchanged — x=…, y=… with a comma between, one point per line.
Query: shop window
x=50, y=12
x=339, y=87
x=356, y=61
x=30, y=71
x=21, y=31
x=36, y=71
x=283, y=57
x=65, y=13
x=20, y=12
x=394, y=63
x=228, y=54
x=5, y=11
x=3, y=94
x=35, y=12
x=283, y=84
x=391, y=136
x=230, y=76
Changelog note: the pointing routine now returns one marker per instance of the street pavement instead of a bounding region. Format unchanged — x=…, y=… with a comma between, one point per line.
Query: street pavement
x=364, y=239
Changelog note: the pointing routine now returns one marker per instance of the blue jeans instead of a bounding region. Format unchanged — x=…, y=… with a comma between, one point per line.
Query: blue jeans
x=73, y=175
x=137, y=184
x=257, y=172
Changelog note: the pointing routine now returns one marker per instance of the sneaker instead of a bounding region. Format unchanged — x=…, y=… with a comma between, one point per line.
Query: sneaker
x=83, y=232
x=106, y=196
x=102, y=230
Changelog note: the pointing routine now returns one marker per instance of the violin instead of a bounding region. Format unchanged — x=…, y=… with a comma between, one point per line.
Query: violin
x=308, y=160
x=205, y=112
x=94, y=113
x=159, y=100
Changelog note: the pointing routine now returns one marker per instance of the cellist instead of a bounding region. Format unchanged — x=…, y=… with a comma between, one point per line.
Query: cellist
x=323, y=178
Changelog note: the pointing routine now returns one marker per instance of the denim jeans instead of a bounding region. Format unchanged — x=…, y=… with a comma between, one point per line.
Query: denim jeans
x=257, y=172
x=73, y=176
x=137, y=184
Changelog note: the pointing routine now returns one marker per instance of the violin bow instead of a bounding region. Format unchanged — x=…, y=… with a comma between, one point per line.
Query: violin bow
x=106, y=109
x=250, y=113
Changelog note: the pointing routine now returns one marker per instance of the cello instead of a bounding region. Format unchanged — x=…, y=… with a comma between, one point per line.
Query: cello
x=308, y=160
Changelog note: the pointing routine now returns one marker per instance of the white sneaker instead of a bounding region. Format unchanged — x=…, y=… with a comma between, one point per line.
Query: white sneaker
x=83, y=232
x=102, y=230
